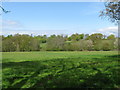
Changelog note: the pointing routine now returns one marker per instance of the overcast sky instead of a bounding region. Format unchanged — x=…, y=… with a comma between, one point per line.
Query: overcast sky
x=39, y=18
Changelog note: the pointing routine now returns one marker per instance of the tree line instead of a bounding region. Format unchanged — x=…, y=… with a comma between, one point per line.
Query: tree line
x=75, y=42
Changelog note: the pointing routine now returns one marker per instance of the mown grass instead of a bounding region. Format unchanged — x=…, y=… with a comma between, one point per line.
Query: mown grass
x=98, y=69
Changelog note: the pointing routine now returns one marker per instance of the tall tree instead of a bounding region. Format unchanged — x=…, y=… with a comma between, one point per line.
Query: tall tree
x=55, y=43
x=112, y=10
x=96, y=36
x=111, y=37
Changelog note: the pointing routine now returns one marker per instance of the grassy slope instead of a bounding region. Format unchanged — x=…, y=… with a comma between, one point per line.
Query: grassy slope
x=61, y=69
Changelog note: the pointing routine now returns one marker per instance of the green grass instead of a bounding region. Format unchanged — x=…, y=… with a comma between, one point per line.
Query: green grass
x=98, y=69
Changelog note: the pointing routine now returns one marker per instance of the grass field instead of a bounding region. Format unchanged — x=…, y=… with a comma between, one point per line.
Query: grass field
x=96, y=69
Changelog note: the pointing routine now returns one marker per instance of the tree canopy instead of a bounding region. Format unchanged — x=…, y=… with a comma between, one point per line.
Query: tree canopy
x=74, y=42
x=112, y=10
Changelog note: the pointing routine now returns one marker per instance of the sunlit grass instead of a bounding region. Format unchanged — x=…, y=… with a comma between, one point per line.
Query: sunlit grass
x=61, y=69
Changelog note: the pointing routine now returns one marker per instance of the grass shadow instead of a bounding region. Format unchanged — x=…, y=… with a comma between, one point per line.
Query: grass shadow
x=63, y=73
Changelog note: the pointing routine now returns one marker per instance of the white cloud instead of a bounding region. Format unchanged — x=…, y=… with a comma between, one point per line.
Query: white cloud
x=14, y=27
x=33, y=32
x=107, y=31
x=11, y=24
x=8, y=32
x=0, y=32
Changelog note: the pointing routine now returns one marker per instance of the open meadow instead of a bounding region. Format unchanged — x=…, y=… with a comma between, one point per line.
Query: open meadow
x=60, y=44
x=50, y=69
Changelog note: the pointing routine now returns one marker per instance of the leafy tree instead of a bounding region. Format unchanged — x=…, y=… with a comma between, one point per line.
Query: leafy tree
x=76, y=46
x=95, y=37
x=52, y=36
x=69, y=38
x=26, y=42
x=68, y=46
x=98, y=45
x=76, y=37
x=17, y=40
x=81, y=36
x=112, y=10
x=86, y=36
x=8, y=45
x=0, y=43
x=35, y=45
x=20, y=43
x=111, y=37
x=105, y=45
x=88, y=45
x=117, y=44
x=55, y=43
x=42, y=39
x=82, y=45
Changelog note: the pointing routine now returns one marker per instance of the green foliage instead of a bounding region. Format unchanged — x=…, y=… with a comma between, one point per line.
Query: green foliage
x=20, y=43
x=117, y=44
x=0, y=43
x=96, y=36
x=8, y=45
x=76, y=37
x=68, y=46
x=61, y=70
x=105, y=45
x=111, y=37
x=75, y=42
x=42, y=39
x=55, y=43
x=81, y=45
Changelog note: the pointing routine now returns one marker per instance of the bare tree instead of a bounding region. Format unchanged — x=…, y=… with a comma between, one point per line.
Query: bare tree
x=5, y=11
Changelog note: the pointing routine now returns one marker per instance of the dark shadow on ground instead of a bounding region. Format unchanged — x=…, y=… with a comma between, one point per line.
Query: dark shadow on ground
x=64, y=73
